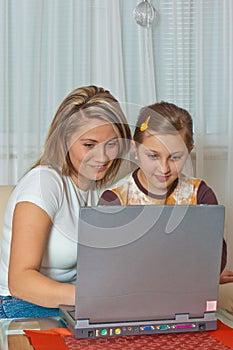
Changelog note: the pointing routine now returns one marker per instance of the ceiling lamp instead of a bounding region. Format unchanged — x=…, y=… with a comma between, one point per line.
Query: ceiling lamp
x=144, y=13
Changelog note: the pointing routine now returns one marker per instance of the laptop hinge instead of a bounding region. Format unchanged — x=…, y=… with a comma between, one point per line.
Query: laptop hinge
x=82, y=323
x=182, y=317
x=208, y=316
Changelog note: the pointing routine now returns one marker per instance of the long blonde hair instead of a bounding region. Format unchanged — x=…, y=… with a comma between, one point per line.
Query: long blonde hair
x=76, y=109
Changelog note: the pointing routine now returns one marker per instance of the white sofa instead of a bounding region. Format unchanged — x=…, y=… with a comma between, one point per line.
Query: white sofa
x=225, y=291
x=225, y=301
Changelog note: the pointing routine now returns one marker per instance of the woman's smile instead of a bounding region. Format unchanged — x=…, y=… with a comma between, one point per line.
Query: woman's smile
x=93, y=152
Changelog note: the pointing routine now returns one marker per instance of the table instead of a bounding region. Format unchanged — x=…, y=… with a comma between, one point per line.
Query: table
x=13, y=338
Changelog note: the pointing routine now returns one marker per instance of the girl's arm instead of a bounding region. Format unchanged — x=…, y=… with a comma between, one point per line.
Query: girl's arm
x=205, y=195
x=226, y=276
x=30, y=229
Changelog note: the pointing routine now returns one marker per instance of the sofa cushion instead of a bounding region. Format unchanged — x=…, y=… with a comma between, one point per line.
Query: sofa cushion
x=225, y=298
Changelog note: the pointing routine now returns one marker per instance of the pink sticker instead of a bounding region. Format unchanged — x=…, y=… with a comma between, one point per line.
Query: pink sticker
x=211, y=305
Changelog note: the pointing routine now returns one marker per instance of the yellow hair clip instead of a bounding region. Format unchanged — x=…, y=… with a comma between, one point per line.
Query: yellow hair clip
x=144, y=125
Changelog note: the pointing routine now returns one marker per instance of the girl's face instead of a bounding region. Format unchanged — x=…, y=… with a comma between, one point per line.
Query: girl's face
x=161, y=159
x=92, y=151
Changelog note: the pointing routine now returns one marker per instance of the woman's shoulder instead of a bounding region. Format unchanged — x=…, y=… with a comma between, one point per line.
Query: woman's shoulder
x=39, y=184
x=41, y=175
x=44, y=187
x=42, y=170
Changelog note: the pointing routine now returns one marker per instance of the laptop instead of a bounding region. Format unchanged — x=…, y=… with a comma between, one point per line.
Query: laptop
x=146, y=270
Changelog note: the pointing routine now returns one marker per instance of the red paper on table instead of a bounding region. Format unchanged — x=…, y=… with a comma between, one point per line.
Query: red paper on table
x=47, y=339
x=61, y=339
x=224, y=334
x=184, y=341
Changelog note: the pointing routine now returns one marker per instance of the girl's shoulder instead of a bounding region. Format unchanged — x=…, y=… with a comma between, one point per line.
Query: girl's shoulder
x=185, y=190
x=122, y=182
x=114, y=194
x=185, y=180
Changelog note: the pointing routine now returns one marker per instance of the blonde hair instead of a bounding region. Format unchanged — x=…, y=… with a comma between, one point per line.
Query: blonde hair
x=165, y=118
x=81, y=105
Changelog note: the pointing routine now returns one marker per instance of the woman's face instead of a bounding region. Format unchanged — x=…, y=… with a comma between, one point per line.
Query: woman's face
x=92, y=151
x=161, y=159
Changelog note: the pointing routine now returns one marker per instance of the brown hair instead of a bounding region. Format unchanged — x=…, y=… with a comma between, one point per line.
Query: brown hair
x=165, y=118
x=76, y=109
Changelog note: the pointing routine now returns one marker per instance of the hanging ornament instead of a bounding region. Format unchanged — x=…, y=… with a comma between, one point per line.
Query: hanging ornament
x=144, y=13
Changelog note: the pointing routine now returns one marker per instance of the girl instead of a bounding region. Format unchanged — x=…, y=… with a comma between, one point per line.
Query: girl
x=88, y=137
x=162, y=142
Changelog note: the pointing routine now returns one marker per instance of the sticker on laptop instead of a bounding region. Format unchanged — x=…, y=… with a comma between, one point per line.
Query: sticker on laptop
x=211, y=305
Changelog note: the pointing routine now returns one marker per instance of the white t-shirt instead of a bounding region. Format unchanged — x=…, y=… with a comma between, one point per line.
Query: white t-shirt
x=61, y=200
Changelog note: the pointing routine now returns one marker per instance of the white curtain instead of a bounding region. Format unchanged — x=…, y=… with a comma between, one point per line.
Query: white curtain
x=213, y=103
x=47, y=48
x=228, y=97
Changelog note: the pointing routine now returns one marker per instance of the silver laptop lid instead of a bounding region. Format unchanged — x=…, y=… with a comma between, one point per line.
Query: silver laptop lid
x=140, y=263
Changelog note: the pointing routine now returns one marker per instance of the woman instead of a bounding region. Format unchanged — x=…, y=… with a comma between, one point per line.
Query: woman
x=87, y=139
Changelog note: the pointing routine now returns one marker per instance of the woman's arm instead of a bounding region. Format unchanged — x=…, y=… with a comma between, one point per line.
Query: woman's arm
x=30, y=229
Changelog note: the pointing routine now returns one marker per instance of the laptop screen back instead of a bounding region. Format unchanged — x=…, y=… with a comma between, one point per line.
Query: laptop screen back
x=148, y=262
